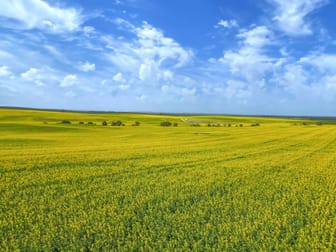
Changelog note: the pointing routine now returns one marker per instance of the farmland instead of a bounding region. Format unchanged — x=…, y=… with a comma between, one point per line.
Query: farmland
x=80, y=187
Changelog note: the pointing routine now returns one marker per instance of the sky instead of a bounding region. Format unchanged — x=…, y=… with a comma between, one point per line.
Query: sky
x=265, y=57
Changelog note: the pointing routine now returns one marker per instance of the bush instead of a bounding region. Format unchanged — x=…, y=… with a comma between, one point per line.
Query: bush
x=104, y=123
x=117, y=123
x=195, y=125
x=240, y=125
x=81, y=123
x=319, y=123
x=136, y=123
x=90, y=123
x=175, y=124
x=166, y=124
x=255, y=124
x=65, y=122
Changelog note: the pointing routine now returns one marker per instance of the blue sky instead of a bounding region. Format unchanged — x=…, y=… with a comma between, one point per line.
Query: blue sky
x=202, y=56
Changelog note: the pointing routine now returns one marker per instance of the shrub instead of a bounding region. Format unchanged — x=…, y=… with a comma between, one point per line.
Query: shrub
x=195, y=125
x=175, y=124
x=166, y=124
x=90, y=123
x=240, y=125
x=117, y=123
x=229, y=125
x=81, y=123
x=104, y=123
x=65, y=122
x=319, y=123
x=136, y=123
x=255, y=124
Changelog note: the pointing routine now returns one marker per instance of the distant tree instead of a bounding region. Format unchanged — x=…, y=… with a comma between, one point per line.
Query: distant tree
x=136, y=123
x=65, y=122
x=240, y=125
x=166, y=124
x=81, y=123
x=117, y=123
x=195, y=125
x=175, y=124
x=90, y=123
x=104, y=123
x=229, y=125
x=319, y=123
x=255, y=124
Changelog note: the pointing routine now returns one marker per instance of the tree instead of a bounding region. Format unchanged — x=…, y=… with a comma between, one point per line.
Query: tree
x=104, y=123
x=117, y=123
x=166, y=124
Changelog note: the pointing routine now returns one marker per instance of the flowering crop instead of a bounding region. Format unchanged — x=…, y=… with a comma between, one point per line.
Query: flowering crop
x=76, y=187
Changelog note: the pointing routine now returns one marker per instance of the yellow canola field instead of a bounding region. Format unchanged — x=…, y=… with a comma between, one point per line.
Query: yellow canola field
x=80, y=187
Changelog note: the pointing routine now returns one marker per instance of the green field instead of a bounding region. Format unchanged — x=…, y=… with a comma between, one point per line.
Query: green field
x=151, y=188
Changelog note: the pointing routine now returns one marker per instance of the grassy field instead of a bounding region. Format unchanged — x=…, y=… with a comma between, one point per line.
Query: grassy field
x=151, y=188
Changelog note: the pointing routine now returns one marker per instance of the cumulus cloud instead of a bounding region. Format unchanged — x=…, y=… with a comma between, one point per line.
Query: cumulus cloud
x=31, y=14
x=227, y=23
x=34, y=75
x=4, y=71
x=323, y=61
x=86, y=66
x=118, y=77
x=291, y=16
x=250, y=56
x=31, y=74
x=151, y=55
x=69, y=80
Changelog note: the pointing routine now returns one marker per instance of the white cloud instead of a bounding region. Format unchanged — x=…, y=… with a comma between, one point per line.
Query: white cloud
x=153, y=44
x=88, y=30
x=249, y=60
x=228, y=23
x=324, y=62
x=145, y=71
x=150, y=57
x=69, y=80
x=41, y=76
x=86, y=67
x=30, y=14
x=291, y=15
x=4, y=71
x=31, y=74
x=257, y=37
x=34, y=75
x=118, y=77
